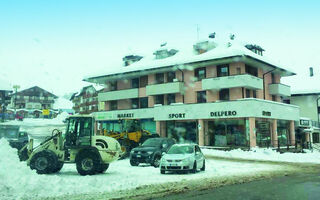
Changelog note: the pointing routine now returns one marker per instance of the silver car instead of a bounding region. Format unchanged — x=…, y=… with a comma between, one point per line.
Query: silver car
x=183, y=157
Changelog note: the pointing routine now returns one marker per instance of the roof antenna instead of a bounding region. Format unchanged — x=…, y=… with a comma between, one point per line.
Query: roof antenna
x=232, y=36
x=163, y=44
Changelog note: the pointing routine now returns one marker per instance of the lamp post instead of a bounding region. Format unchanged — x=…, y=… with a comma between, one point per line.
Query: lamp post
x=16, y=87
x=318, y=110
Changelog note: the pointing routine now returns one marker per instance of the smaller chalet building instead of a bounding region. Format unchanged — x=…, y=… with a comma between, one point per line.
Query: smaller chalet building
x=32, y=101
x=86, y=101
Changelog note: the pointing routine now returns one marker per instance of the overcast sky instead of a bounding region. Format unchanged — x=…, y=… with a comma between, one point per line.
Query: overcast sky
x=54, y=44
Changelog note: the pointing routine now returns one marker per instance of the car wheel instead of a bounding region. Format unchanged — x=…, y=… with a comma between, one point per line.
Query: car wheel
x=203, y=166
x=134, y=163
x=102, y=168
x=156, y=161
x=162, y=171
x=194, y=169
x=58, y=167
x=87, y=163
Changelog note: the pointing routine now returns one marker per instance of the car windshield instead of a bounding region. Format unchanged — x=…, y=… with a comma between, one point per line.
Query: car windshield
x=152, y=143
x=11, y=134
x=181, y=150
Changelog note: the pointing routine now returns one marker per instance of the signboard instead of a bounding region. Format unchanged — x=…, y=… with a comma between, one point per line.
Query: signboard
x=45, y=112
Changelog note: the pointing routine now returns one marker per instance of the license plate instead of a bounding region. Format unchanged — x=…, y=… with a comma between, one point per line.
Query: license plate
x=138, y=156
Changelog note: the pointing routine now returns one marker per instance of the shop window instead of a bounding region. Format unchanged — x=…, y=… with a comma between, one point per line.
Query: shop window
x=315, y=138
x=224, y=95
x=247, y=93
x=113, y=105
x=201, y=97
x=160, y=78
x=200, y=73
x=113, y=85
x=171, y=76
x=222, y=70
x=251, y=70
x=159, y=99
x=283, y=132
x=135, y=103
x=135, y=83
x=227, y=133
x=143, y=102
x=263, y=133
x=171, y=98
x=182, y=132
x=143, y=81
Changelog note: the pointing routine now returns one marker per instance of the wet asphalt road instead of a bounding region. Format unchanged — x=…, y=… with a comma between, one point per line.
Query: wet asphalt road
x=293, y=187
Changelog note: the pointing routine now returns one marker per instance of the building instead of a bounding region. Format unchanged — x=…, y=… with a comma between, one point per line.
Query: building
x=86, y=101
x=213, y=94
x=32, y=101
x=308, y=128
x=5, y=91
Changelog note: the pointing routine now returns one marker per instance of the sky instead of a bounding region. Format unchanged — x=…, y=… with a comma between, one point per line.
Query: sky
x=55, y=44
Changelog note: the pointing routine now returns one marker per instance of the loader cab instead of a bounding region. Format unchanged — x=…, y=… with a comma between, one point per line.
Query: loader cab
x=79, y=131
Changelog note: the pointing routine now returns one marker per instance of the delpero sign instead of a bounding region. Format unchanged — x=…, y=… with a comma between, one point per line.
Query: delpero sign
x=223, y=113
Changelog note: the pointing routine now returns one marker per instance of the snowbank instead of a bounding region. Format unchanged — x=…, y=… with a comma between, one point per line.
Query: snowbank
x=266, y=155
x=17, y=181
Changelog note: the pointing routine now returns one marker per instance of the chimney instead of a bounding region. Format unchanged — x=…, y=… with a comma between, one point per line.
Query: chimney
x=311, y=71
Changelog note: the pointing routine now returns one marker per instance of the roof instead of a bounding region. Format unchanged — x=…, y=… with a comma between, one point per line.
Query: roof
x=305, y=92
x=184, y=57
x=35, y=91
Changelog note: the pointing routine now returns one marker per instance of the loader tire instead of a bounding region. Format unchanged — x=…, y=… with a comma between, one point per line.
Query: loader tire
x=58, y=167
x=102, y=168
x=23, y=155
x=44, y=162
x=87, y=163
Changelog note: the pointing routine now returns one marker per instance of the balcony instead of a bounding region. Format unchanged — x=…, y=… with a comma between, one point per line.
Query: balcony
x=118, y=95
x=279, y=89
x=165, y=88
x=242, y=80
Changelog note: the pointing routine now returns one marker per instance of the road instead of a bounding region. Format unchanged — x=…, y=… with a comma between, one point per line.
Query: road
x=299, y=186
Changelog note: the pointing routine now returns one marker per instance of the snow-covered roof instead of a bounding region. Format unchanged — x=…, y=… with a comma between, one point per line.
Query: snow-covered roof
x=187, y=56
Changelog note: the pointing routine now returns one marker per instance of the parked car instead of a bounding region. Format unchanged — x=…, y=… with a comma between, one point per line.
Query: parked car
x=17, y=139
x=150, y=151
x=183, y=158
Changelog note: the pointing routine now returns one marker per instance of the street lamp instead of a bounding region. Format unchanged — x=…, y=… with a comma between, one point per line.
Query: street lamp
x=318, y=110
x=16, y=87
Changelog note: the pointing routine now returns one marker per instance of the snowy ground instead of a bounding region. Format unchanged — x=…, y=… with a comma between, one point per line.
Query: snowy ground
x=17, y=181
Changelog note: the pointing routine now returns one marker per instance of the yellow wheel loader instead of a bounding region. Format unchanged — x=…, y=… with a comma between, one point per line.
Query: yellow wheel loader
x=92, y=153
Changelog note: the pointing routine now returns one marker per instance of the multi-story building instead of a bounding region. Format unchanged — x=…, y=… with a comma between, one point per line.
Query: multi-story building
x=32, y=101
x=86, y=101
x=308, y=129
x=214, y=94
x=5, y=91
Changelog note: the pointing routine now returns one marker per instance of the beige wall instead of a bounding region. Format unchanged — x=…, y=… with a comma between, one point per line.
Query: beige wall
x=124, y=104
x=124, y=84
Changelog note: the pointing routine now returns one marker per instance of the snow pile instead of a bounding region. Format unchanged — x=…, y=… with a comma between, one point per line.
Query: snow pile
x=62, y=103
x=17, y=181
x=61, y=117
x=266, y=154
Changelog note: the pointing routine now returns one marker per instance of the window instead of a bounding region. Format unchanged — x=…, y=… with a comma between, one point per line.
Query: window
x=274, y=98
x=143, y=102
x=159, y=99
x=222, y=70
x=254, y=94
x=251, y=70
x=247, y=93
x=113, y=105
x=273, y=80
x=171, y=76
x=135, y=103
x=113, y=86
x=135, y=83
x=238, y=70
x=201, y=97
x=143, y=81
x=160, y=78
x=171, y=98
x=224, y=94
x=200, y=73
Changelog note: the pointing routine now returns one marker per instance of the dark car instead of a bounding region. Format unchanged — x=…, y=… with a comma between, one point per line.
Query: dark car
x=150, y=151
x=17, y=139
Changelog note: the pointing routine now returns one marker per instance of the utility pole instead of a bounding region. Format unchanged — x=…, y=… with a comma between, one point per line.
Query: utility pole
x=16, y=87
